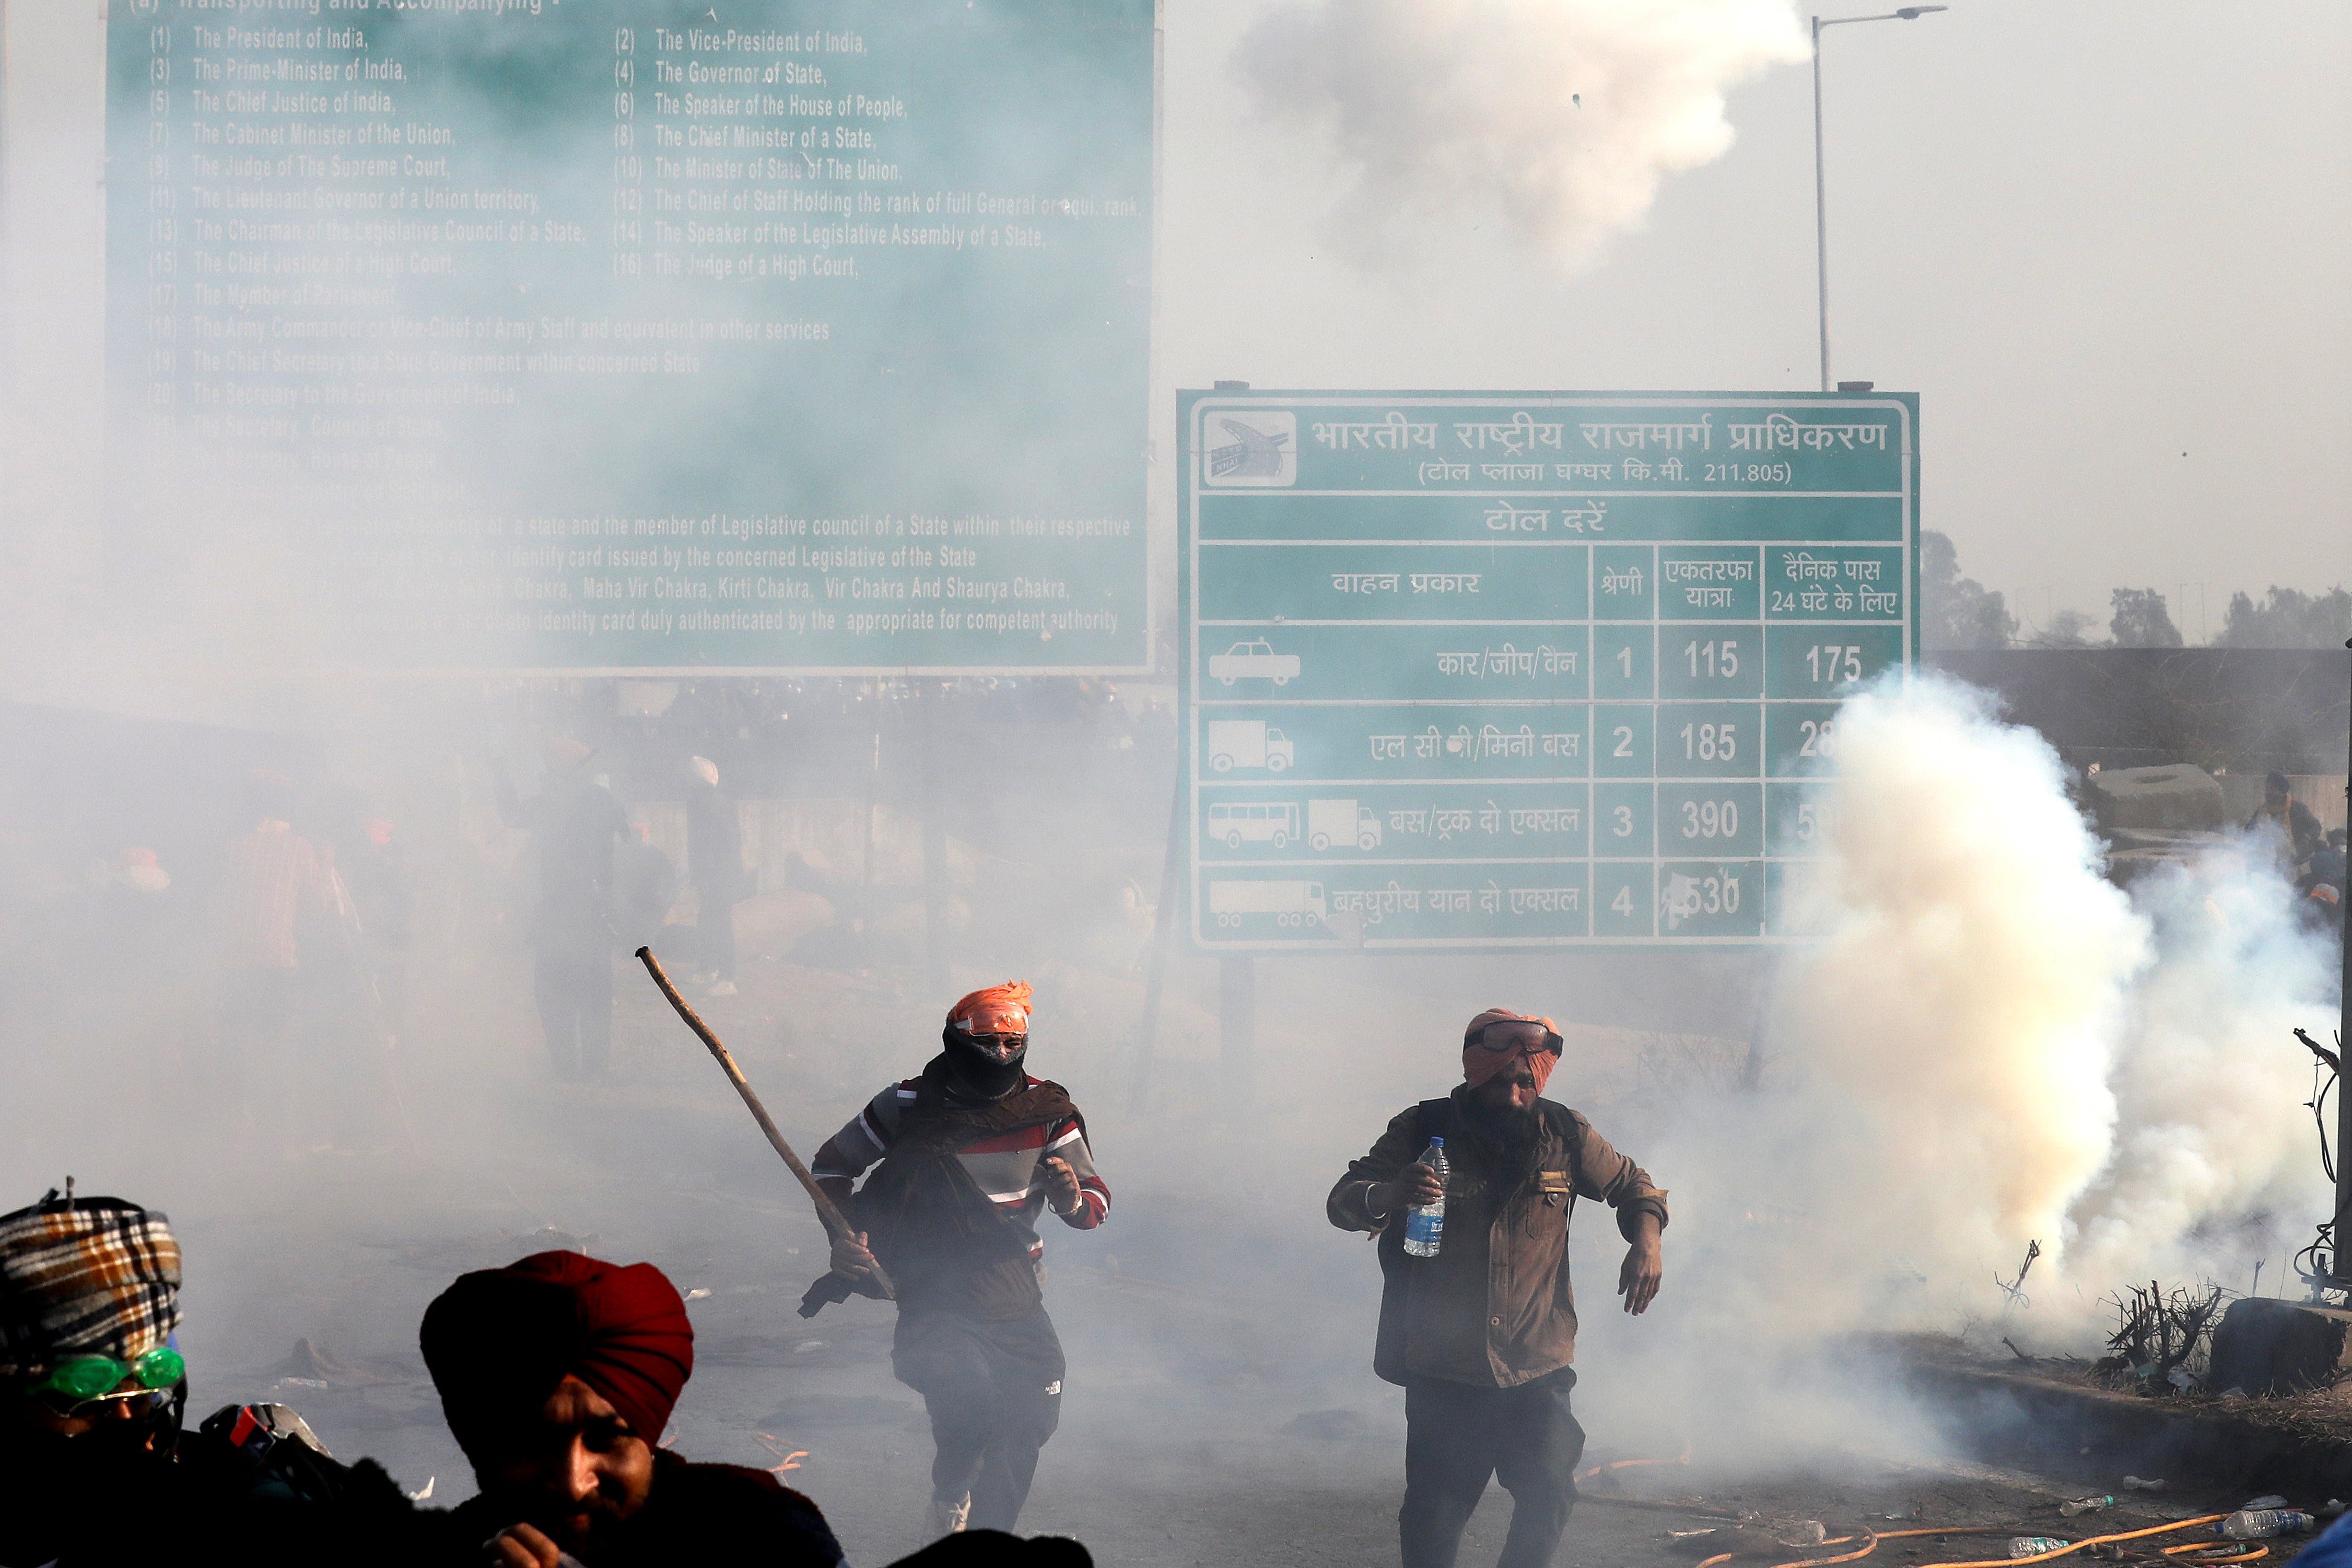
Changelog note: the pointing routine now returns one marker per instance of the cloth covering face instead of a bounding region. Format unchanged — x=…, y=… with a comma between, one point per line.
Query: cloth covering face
x=998, y=1010
x=85, y=1277
x=499, y=1341
x=1479, y=1064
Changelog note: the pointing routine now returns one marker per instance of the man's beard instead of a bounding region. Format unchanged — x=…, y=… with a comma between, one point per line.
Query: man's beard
x=1502, y=1147
x=578, y=1527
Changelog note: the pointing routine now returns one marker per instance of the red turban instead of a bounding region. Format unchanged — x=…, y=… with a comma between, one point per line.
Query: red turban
x=1479, y=1064
x=1010, y=996
x=498, y=1341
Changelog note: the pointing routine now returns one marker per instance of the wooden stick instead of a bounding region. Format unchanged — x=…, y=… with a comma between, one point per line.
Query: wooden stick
x=835, y=1226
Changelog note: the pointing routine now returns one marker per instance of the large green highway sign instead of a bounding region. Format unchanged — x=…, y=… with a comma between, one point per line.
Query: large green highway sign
x=1527, y=669
x=638, y=335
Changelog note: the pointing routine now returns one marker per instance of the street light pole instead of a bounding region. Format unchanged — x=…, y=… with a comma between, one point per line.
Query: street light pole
x=1821, y=210
x=1820, y=185
x=2343, y=1231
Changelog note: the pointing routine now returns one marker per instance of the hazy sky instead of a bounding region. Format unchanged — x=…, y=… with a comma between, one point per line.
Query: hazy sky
x=2106, y=243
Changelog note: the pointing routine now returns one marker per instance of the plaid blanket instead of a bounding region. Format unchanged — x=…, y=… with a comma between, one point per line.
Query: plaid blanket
x=85, y=1276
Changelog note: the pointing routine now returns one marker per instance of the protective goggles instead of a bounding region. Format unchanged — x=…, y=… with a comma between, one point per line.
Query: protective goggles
x=86, y=1380
x=1488, y=1041
x=995, y=1020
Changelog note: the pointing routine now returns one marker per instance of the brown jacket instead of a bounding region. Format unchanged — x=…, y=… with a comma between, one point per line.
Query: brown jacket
x=1494, y=1306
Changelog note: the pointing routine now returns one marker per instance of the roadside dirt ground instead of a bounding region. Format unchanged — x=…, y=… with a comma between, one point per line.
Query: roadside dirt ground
x=1220, y=1408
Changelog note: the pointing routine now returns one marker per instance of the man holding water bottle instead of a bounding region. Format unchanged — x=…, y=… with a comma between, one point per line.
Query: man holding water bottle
x=1481, y=1334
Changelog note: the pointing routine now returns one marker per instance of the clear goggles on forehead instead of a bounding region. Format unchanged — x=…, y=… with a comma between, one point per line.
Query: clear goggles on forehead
x=995, y=1019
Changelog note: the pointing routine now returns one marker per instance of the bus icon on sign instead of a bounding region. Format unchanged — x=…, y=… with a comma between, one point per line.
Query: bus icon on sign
x=1262, y=822
x=1251, y=447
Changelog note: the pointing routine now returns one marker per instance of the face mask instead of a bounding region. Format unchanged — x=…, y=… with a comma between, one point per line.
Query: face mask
x=984, y=1067
x=112, y=1459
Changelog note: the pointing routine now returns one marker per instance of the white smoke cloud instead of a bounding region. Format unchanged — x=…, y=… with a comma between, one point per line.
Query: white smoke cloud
x=1995, y=1045
x=1563, y=115
x=1958, y=1020
x=2209, y=1086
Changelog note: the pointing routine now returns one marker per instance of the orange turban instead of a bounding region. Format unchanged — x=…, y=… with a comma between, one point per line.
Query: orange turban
x=1013, y=996
x=1479, y=1064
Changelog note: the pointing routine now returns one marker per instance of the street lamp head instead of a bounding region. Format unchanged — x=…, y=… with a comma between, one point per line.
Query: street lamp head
x=1913, y=13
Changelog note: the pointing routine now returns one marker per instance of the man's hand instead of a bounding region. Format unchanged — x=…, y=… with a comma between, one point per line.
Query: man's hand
x=1645, y=1264
x=523, y=1546
x=1061, y=1185
x=1414, y=1185
x=851, y=1258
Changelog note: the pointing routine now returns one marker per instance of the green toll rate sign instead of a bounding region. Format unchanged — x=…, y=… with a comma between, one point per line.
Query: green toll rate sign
x=1498, y=670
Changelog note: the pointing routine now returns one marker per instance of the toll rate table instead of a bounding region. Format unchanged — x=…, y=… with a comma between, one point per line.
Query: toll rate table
x=1500, y=671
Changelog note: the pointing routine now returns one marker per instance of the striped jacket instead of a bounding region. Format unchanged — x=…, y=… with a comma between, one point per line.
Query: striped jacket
x=1009, y=1169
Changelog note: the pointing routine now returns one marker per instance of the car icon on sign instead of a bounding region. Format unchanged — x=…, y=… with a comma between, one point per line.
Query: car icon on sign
x=1253, y=661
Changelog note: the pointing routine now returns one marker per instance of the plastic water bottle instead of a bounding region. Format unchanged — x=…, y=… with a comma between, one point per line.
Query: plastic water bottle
x=1424, y=1223
x=2035, y=1545
x=2255, y=1523
x=2087, y=1505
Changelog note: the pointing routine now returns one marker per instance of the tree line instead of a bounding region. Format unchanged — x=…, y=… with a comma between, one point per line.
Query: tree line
x=1957, y=612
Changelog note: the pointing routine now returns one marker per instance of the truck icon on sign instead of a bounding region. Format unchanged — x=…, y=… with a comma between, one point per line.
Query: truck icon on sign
x=1341, y=822
x=1253, y=661
x=1248, y=744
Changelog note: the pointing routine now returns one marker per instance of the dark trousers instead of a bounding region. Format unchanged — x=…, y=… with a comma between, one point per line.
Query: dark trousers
x=1457, y=1435
x=994, y=1391
x=575, y=986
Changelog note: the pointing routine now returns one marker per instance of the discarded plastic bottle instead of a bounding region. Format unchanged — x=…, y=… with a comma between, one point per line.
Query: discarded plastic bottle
x=1424, y=1223
x=2035, y=1545
x=2087, y=1505
x=2257, y=1524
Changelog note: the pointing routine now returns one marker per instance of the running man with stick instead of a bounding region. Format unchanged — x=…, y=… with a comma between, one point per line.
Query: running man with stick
x=972, y=1150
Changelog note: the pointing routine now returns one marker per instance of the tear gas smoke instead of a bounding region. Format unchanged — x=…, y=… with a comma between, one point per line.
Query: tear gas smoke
x=1991, y=1044
x=1987, y=1044
x=1563, y=114
x=2211, y=1128
x=1965, y=1001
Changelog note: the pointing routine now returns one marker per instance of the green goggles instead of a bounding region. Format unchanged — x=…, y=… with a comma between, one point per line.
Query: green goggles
x=89, y=1377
